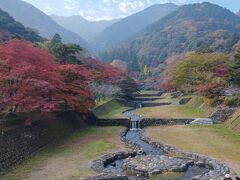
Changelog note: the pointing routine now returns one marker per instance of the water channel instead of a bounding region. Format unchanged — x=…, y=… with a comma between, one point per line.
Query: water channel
x=133, y=136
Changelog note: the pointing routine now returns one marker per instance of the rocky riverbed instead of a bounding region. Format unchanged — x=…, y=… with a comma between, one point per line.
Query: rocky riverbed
x=155, y=164
x=152, y=158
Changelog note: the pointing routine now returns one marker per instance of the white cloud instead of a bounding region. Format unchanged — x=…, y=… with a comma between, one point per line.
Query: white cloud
x=70, y=4
x=98, y=9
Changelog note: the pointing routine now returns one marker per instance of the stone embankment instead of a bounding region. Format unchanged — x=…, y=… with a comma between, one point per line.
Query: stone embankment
x=18, y=144
x=218, y=168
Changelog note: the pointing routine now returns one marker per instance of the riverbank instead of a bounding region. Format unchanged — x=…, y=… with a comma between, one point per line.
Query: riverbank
x=195, y=108
x=110, y=109
x=216, y=141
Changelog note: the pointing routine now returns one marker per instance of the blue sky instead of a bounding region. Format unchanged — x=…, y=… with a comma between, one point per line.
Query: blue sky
x=112, y=9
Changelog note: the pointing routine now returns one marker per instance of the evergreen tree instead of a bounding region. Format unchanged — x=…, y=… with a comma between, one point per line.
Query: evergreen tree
x=56, y=39
x=235, y=69
x=129, y=88
x=65, y=53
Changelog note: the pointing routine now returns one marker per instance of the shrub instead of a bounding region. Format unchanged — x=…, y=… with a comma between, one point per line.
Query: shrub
x=233, y=101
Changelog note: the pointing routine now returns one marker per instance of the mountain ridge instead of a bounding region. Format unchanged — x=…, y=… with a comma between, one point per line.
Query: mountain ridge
x=186, y=29
x=81, y=26
x=130, y=25
x=10, y=29
x=34, y=18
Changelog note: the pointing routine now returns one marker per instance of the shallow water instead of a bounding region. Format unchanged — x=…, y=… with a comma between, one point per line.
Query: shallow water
x=133, y=136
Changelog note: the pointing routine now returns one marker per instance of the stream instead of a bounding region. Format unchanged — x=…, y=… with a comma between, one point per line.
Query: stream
x=133, y=136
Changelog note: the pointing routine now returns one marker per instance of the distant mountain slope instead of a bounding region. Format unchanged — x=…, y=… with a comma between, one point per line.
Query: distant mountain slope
x=190, y=28
x=128, y=26
x=32, y=17
x=84, y=28
x=9, y=29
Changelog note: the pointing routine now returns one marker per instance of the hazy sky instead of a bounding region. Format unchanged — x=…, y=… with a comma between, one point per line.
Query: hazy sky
x=111, y=9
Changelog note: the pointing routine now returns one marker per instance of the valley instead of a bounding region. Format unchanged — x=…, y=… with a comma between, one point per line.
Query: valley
x=119, y=90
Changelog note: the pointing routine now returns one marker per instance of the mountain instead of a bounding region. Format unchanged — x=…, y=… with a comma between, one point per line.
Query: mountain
x=84, y=28
x=238, y=13
x=190, y=28
x=128, y=26
x=32, y=17
x=9, y=29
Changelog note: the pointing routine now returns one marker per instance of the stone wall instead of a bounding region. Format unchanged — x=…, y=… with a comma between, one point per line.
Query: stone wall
x=144, y=122
x=160, y=122
x=222, y=115
x=149, y=104
x=142, y=99
x=111, y=122
x=99, y=164
x=17, y=144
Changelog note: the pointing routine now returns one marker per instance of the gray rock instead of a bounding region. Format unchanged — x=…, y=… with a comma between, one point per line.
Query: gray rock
x=155, y=164
x=218, y=168
x=202, y=121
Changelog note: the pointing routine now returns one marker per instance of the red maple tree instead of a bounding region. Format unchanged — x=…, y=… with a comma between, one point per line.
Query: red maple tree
x=103, y=72
x=31, y=81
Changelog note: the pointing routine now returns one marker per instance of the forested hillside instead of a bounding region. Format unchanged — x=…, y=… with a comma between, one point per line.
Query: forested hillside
x=194, y=27
x=9, y=29
x=33, y=18
x=128, y=26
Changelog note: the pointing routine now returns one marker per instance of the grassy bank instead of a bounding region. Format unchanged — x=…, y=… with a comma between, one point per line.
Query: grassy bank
x=217, y=141
x=71, y=157
x=194, y=109
x=234, y=121
x=111, y=109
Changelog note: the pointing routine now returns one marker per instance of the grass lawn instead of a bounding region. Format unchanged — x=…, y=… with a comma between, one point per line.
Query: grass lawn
x=148, y=92
x=217, y=141
x=71, y=157
x=194, y=109
x=111, y=109
x=171, y=112
x=103, y=101
x=115, y=114
x=234, y=121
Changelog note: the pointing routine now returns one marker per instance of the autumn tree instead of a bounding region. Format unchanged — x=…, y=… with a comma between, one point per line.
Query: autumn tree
x=199, y=69
x=235, y=69
x=102, y=72
x=32, y=82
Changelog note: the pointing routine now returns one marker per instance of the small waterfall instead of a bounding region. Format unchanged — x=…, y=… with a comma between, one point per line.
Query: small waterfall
x=135, y=125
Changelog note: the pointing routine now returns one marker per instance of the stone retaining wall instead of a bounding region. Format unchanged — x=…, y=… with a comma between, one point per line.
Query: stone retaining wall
x=150, y=95
x=146, y=104
x=160, y=122
x=219, y=169
x=111, y=122
x=142, y=99
x=20, y=143
x=99, y=164
x=17, y=144
x=222, y=115
x=144, y=122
